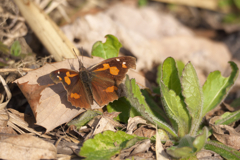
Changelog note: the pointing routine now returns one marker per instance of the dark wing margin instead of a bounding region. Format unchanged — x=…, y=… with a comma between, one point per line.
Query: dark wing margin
x=76, y=93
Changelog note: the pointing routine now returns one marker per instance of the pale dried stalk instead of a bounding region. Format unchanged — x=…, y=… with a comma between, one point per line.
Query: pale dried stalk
x=46, y=30
x=207, y=4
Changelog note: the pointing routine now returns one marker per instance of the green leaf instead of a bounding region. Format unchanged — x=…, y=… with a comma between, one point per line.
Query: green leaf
x=189, y=146
x=228, y=118
x=176, y=110
x=184, y=149
x=170, y=93
x=223, y=150
x=15, y=48
x=157, y=111
x=193, y=95
x=170, y=76
x=137, y=101
x=84, y=118
x=201, y=139
x=216, y=88
x=107, y=144
x=122, y=105
x=180, y=67
x=106, y=50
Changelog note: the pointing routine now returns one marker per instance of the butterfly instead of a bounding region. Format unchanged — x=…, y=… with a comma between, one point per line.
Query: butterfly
x=98, y=83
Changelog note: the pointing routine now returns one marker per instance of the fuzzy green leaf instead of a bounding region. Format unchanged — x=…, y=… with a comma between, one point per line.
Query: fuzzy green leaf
x=228, y=118
x=170, y=76
x=201, y=139
x=176, y=110
x=108, y=49
x=184, y=149
x=170, y=93
x=157, y=111
x=137, y=101
x=216, y=88
x=84, y=118
x=122, y=105
x=180, y=67
x=223, y=150
x=189, y=146
x=193, y=95
x=107, y=144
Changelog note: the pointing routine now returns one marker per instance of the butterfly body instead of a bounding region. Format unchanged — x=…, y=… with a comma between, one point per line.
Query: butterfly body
x=98, y=83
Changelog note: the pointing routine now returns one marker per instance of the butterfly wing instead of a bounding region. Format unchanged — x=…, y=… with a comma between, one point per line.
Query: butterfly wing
x=106, y=77
x=76, y=93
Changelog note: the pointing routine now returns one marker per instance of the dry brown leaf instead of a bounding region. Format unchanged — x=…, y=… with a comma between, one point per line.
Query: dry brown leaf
x=140, y=150
x=207, y=154
x=111, y=115
x=107, y=123
x=49, y=101
x=26, y=147
x=63, y=157
x=103, y=125
x=133, y=122
x=145, y=131
x=142, y=147
x=227, y=135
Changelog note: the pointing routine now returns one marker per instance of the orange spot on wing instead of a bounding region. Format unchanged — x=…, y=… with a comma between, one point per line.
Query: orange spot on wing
x=67, y=80
x=124, y=66
x=114, y=70
x=71, y=75
x=75, y=95
x=105, y=67
x=59, y=78
x=111, y=89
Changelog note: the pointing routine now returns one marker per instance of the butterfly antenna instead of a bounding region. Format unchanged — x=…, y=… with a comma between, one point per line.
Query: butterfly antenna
x=81, y=51
x=80, y=63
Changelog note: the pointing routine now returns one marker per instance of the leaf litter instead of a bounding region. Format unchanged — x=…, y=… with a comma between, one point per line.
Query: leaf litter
x=44, y=89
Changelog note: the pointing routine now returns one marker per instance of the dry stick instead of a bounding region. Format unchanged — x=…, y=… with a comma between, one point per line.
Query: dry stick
x=207, y=4
x=46, y=30
x=15, y=70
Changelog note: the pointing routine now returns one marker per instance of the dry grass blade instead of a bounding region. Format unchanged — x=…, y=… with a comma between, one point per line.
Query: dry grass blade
x=207, y=4
x=16, y=122
x=9, y=94
x=46, y=30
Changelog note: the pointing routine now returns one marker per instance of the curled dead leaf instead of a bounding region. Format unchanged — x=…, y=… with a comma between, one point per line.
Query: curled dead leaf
x=227, y=135
x=133, y=122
